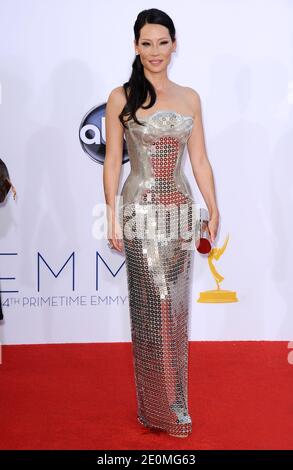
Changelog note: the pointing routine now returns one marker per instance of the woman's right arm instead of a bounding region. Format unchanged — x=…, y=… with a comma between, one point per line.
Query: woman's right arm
x=113, y=162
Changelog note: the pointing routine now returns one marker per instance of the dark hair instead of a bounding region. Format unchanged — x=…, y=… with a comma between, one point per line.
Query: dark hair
x=5, y=183
x=138, y=86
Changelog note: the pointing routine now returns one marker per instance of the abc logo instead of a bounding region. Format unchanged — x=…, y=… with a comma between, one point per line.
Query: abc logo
x=92, y=135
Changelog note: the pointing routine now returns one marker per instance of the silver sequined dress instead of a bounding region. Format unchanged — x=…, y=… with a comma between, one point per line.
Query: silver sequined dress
x=158, y=266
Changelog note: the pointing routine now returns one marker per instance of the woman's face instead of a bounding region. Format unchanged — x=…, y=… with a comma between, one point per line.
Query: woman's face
x=155, y=47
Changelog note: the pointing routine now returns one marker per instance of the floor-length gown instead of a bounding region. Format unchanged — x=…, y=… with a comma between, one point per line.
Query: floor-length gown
x=158, y=266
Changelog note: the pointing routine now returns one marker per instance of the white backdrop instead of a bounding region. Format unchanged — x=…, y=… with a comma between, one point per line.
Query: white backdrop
x=58, y=60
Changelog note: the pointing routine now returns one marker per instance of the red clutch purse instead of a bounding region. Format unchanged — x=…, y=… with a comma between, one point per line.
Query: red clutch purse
x=202, y=238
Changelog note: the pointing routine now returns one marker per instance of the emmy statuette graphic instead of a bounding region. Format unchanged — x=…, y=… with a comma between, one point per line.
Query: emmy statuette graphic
x=217, y=295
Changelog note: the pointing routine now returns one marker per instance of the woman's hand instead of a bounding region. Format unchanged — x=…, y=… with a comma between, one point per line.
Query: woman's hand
x=213, y=226
x=115, y=233
x=14, y=191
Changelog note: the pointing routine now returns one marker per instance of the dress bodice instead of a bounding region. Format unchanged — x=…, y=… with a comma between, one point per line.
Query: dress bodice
x=155, y=152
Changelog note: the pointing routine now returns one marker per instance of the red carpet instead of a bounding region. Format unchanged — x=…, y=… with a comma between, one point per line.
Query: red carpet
x=82, y=396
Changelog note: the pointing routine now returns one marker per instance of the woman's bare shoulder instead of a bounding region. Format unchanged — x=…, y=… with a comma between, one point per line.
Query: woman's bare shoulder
x=191, y=94
x=117, y=95
x=116, y=100
x=192, y=97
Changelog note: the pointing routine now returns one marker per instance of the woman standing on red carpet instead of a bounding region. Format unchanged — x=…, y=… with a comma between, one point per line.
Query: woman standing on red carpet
x=158, y=266
x=5, y=186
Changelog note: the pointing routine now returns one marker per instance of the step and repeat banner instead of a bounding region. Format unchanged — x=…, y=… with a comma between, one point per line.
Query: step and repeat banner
x=59, y=60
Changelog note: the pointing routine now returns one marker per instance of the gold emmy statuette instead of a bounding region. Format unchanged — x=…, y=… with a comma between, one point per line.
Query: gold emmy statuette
x=218, y=295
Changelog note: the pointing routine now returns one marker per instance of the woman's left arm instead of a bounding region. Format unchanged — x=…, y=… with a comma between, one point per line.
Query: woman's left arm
x=201, y=166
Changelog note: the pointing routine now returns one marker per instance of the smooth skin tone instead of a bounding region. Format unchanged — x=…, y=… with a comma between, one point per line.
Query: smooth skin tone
x=13, y=190
x=155, y=43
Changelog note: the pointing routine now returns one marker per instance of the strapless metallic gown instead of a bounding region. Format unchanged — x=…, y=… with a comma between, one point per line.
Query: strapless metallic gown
x=157, y=203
